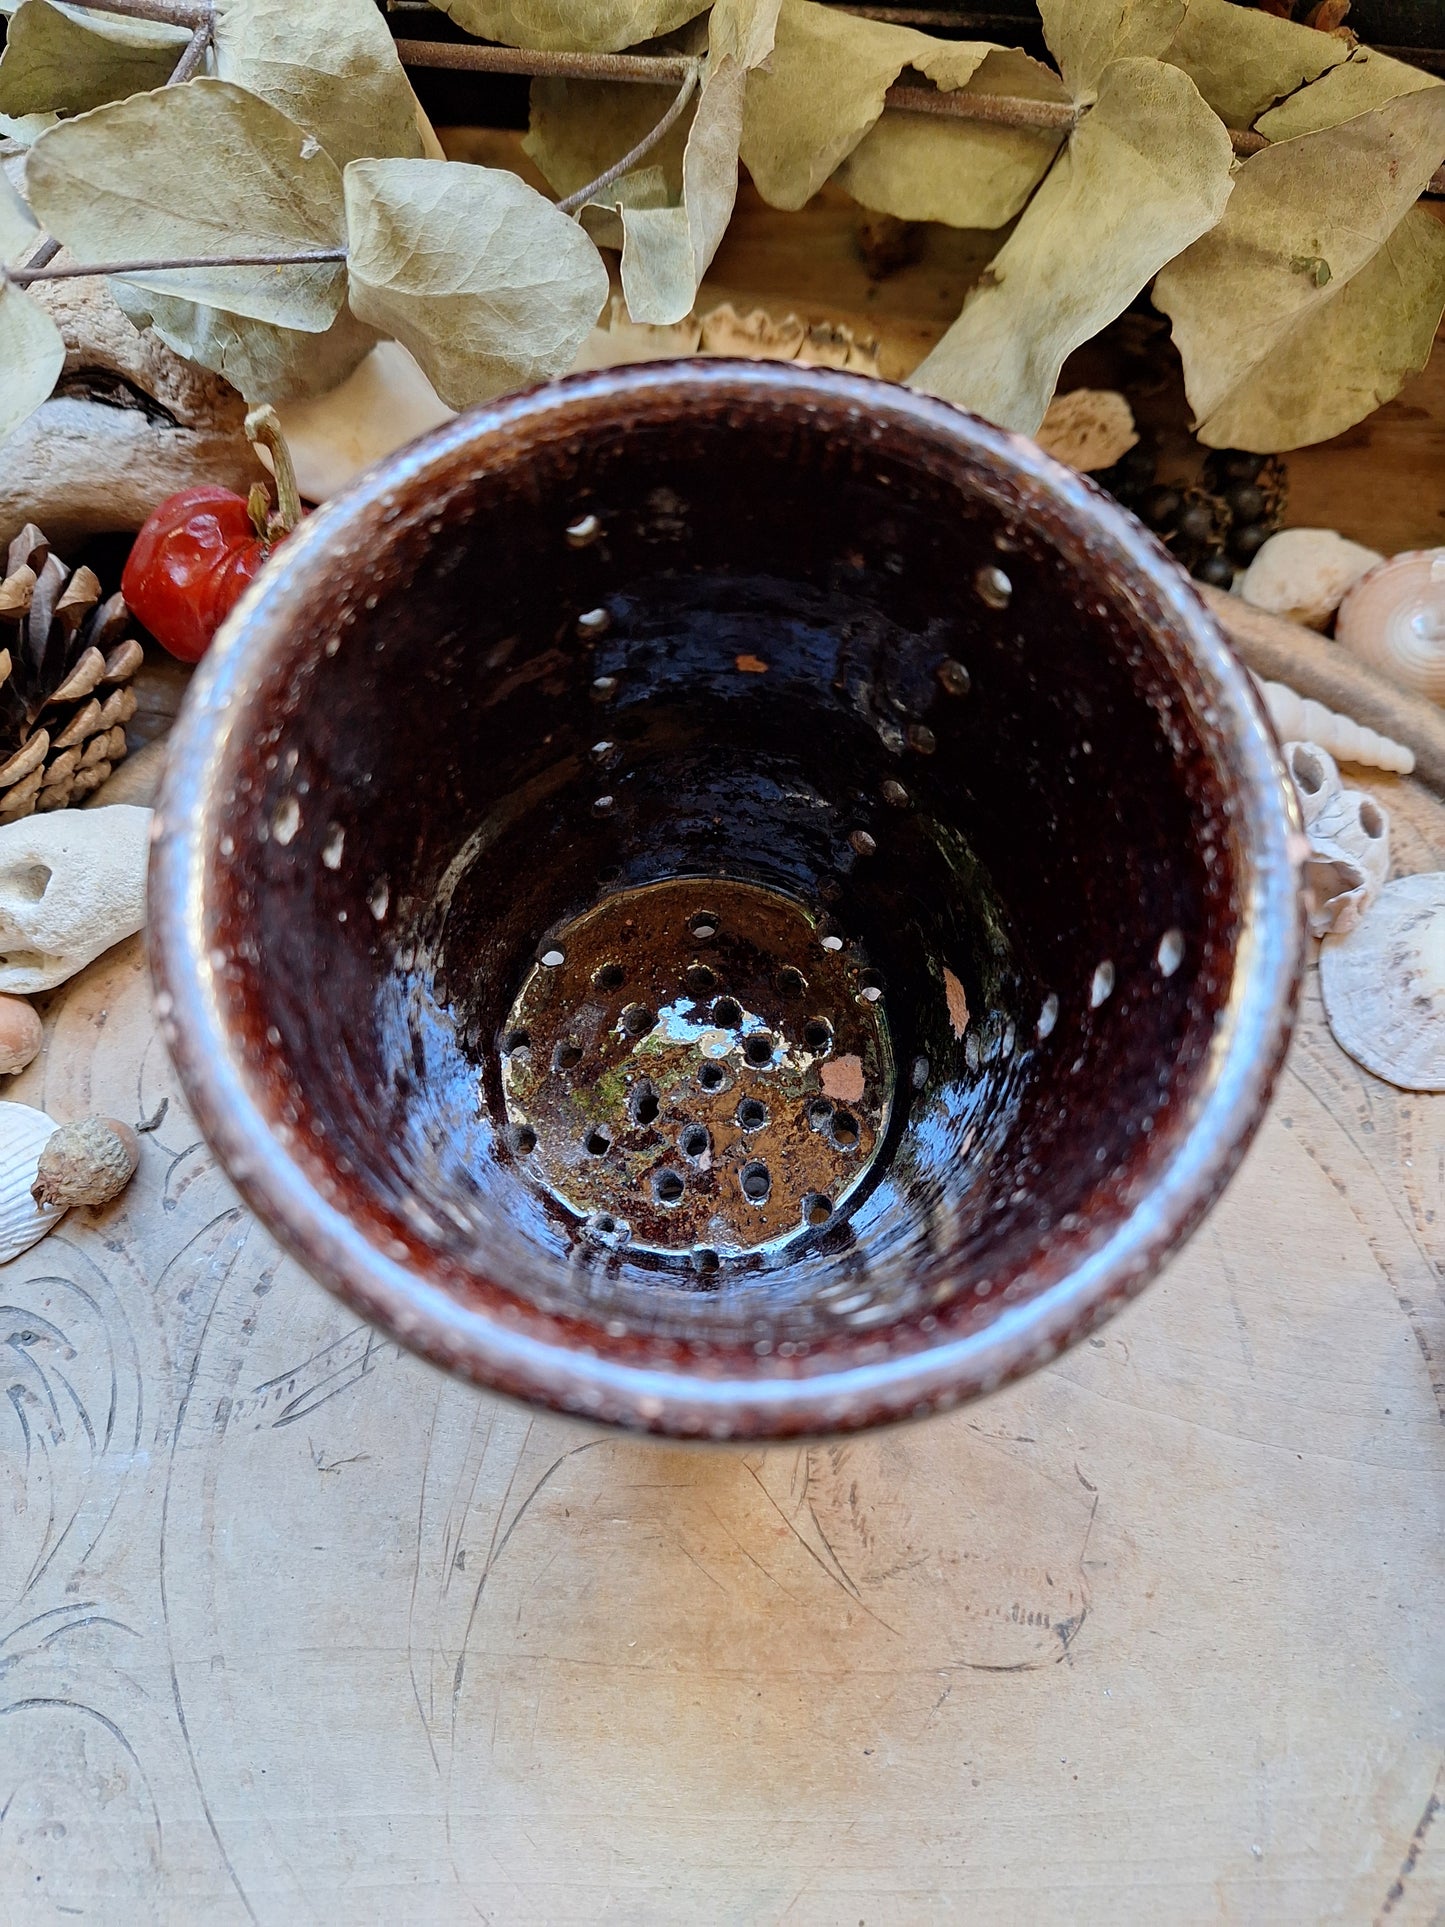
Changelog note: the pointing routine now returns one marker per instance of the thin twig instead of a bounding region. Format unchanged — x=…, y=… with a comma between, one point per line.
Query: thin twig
x=194, y=54
x=42, y=258
x=655, y=70
x=633, y=154
x=170, y=13
x=1003, y=110
x=22, y=277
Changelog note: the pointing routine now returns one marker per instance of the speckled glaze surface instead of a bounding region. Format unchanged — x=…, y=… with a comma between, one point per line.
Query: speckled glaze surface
x=754, y=625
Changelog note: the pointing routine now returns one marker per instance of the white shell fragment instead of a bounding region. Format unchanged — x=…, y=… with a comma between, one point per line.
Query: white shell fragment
x=1299, y=718
x=71, y=884
x=86, y=1163
x=1303, y=574
x=1089, y=428
x=1394, y=619
x=1384, y=984
x=1349, y=837
x=24, y=1134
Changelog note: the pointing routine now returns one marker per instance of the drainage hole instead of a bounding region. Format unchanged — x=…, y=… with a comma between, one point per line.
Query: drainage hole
x=752, y=1115
x=790, y=982
x=566, y=1056
x=598, y=1141
x=727, y=1013
x=757, y=1182
x=637, y=1020
x=701, y=981
x=817, y=1034
x=845, y=1131
x=704, y=925
x=609, y=976
x=554, y=958
x=820, y=1114
x=668, y=1187
x=870, y=985
x=522, y=1139
x=758, y=1048
x=645, y=1103
x=712, y=1077
x=514, y=1041
x=816, y=1208
x=705, y=1260
x=696, y=1142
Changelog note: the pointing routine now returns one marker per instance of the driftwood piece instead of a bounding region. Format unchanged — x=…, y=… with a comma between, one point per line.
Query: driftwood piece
x=129, y=423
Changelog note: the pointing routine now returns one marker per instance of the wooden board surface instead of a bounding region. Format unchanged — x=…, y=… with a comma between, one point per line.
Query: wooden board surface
x=294, y=1629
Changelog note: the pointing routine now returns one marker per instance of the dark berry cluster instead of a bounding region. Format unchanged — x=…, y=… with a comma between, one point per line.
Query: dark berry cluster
x=1214, y=526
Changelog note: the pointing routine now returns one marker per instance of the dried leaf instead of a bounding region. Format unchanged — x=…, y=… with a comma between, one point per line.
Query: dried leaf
x=264, y=362
x=56, y=61
x=922, y=167
x=594, y=26
x=1357, y=86
x=1243, y=61
x=1086, y=36
x=203, y=170
x=333, y=69
x=472, y=270
x=25, y=129
x=32, y=354
x=19, y=231
x=1315, y=297
x=1145, y=173
x=578, y=128
x=823, y=89
x=666, y=250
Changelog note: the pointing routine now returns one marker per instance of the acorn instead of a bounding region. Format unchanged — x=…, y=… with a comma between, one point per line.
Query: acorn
x=86, y=1163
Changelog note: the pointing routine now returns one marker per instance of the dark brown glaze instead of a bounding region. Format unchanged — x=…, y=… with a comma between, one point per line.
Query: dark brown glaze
x=764, y=623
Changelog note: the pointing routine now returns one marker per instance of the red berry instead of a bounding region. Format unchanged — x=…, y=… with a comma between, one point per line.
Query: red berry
x=189, y=565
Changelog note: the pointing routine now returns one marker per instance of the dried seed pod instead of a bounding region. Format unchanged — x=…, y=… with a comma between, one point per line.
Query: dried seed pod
x=86, y=1163
x=21, y=1034
x=1394, y=619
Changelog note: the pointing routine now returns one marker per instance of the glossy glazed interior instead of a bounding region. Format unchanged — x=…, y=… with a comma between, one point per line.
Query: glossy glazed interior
x=394, y=752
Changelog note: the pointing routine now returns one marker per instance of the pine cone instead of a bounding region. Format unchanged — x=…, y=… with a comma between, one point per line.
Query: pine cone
x=63, y=669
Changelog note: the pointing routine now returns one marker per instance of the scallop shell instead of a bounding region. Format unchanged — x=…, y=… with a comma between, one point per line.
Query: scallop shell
x=1299, y=718
x=1393, y=618
x=24, y=1134
x=1384, y=984
x=1349, y=836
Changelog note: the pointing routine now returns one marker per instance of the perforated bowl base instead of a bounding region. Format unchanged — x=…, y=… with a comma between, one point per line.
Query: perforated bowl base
x=697, y=1067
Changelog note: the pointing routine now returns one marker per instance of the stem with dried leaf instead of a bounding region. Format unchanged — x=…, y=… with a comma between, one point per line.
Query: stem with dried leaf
x=633, y=155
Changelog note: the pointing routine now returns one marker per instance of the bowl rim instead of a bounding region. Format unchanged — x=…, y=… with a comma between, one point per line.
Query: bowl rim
x=1227, y=1106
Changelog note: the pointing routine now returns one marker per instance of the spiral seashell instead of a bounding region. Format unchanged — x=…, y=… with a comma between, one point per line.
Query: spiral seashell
x=24, y=1134
x=1393, y=618
x=1300, y=718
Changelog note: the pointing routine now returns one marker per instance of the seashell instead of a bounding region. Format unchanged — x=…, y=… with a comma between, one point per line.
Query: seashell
x=21, y=1034
x=1303, y=574
x=1300, y=719
x=1349, y=836
x=1089, y=428
x=86, y=1163
x=1394, y=619
x=24, y=1134
x=72, y=883
x=1384, y=984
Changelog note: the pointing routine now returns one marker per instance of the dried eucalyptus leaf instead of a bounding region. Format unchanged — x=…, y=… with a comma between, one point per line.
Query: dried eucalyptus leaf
x=593, y=26
x=578, y=128
x=1357, y=86
x=823, y=89
x=1281, y=347
x=922, y=167
x=472, y=270
x=666, y=250
x=201, y=170
x=264, y=362
x=1144, y=174
x=57, y=61
x=1086, y=36
x=19, y=230
x=333, y=68
x=25, y=129
x=1243, y=61
x=32, y=354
